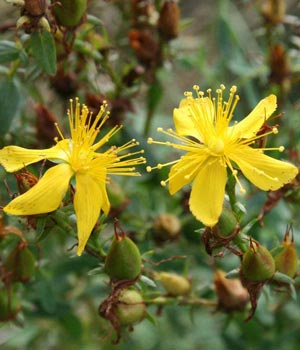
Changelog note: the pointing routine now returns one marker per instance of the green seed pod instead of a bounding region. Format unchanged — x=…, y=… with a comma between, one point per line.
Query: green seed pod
x=258, y=264
x=21, y=263
x=174, y=284
x=285, y=256
x=70, y=13
x=130, y=308
x=9, y=306
x=123, y=260
x=227, y=223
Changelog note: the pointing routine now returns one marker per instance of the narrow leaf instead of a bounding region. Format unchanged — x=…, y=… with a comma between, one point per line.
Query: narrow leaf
x=44, y=51
x=10, y=99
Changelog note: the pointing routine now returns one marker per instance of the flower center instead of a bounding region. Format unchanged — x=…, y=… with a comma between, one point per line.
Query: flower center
x=216, y=146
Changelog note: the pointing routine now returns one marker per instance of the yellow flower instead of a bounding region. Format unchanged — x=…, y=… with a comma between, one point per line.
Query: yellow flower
x=213, y=144
x=75, y=157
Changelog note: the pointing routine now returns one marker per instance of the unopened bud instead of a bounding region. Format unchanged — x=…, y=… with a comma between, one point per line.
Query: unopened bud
x=232, y=296
x=166, y=226
x=123, y=260
x=258, y=264
x=227, y=223
x=130, y=308
x=285, y=256
x=69, y=13
x=274, y=11
x=35, y=8
x=168, y=23
x=173, y=283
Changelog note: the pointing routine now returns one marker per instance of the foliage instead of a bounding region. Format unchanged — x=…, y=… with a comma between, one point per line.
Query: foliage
x=234, y=285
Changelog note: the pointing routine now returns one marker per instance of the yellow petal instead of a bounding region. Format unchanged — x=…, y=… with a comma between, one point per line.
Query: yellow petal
x=45, y=196
x=250, y=125
x=185, y=170
x=14, y=158
x=194, y=117
x=263, y=171
x=208, y=190
x=88, y=201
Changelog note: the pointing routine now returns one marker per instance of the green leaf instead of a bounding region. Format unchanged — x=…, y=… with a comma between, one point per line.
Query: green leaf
x=8, y=51
x=44, y=51
x=10, y=98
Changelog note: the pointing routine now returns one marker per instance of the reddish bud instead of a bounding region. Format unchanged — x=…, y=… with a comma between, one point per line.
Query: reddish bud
x=168, y=23
x=232, y=296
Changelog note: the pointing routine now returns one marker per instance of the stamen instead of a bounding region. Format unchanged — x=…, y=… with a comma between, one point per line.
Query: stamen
x=59, y=132
x=280, y=149
x=160, y=166
x=257, y=137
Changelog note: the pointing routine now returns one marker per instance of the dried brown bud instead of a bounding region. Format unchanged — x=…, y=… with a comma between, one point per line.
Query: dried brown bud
x=274, y=11
x=35, y=8
x=145, y=46
x=279, y=65
x=232, y=296
x=168, y=23
x=166, y=226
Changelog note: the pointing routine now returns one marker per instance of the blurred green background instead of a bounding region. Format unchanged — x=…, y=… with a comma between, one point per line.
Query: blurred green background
x=252, y=44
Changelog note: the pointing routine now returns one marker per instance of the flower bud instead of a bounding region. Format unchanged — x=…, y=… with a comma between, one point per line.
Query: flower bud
x=227, y=223
x=274, y=11
x=168, y=23
x=35, y=8
x=258, y=264
x=130, y=307
x=145, y=45
x=285, y=256
x=69, y=13
x=123, y=260
x=166, y=226
x=232, y=296
x=21, y=264
x=174, y=284
x=9, y=305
